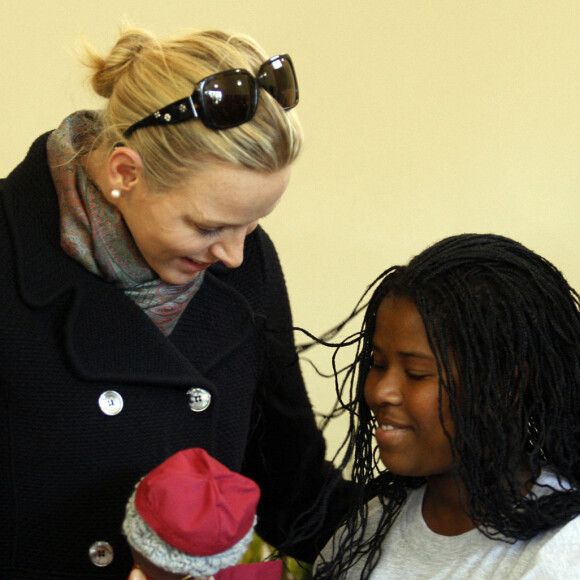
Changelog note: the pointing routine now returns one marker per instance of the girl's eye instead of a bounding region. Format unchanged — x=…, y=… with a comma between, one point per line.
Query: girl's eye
x=416, y=376
x=377, y=364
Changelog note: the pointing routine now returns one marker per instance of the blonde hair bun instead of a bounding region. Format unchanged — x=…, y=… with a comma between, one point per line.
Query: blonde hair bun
x=106, y=71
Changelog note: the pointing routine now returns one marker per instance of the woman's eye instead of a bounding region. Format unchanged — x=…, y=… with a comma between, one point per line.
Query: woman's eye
x=207, y=232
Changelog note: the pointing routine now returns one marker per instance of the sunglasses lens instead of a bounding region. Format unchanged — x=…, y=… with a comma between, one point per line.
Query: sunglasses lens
x=228, y=99
x=277, y=76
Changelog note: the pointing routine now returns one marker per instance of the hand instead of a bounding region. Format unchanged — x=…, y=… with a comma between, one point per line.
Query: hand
x=144, y=569
x=137, y=574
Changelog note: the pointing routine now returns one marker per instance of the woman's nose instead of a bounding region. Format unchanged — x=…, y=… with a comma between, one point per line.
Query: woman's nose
x=230, y=249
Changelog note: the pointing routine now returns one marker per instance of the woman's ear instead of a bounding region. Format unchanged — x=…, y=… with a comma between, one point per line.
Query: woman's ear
x=125, y=171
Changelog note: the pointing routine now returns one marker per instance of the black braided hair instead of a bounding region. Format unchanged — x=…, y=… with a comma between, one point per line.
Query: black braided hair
x=504, y=326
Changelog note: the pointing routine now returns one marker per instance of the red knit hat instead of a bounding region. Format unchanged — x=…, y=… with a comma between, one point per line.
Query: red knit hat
x=196, y=506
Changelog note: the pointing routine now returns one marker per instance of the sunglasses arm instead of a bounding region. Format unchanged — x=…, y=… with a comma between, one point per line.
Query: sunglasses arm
x=176, y=112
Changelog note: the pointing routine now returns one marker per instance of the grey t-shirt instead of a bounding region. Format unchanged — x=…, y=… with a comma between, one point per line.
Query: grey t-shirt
x=412, y=551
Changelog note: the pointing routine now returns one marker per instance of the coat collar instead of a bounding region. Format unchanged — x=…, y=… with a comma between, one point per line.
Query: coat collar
x=107, y=337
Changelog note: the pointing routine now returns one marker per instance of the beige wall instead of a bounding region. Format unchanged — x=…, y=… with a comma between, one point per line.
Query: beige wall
x=423, y=119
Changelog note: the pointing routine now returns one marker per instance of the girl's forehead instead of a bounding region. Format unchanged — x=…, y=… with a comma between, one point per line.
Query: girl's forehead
x=398, y=321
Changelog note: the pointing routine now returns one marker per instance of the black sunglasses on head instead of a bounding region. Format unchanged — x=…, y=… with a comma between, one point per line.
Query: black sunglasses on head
x=229, y=98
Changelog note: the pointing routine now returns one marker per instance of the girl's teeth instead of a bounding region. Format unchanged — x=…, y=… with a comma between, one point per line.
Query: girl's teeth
x=387, y=428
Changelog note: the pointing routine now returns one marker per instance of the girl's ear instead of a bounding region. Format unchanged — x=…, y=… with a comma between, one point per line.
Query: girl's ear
x=125, y=170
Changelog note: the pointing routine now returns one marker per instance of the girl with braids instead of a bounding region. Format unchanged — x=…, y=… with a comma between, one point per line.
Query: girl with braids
x=468, y=380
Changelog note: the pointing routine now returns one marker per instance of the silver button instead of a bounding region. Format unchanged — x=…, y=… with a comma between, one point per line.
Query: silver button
x=101, y=554
x=199, y=399
x=111, y=403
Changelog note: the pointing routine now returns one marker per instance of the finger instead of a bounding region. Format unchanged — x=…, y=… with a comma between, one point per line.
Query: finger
x=137, y=575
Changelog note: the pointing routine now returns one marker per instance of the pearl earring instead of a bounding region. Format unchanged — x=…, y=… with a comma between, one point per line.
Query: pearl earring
x=115, y=193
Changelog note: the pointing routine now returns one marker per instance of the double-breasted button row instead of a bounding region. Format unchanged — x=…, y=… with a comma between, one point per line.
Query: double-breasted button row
x=111, y=402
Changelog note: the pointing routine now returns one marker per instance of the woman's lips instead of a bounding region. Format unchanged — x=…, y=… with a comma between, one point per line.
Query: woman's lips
x=194, y=265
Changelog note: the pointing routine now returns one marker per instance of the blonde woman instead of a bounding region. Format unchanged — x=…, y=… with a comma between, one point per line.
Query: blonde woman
x=144, y=310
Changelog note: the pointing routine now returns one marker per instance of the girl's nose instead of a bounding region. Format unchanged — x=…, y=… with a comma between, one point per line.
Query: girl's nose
x=383, y=389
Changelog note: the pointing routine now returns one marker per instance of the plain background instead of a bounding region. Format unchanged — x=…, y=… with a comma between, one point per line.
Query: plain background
x=423, y=119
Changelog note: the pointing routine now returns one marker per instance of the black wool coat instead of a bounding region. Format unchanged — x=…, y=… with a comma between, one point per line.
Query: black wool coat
x=66, y=337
